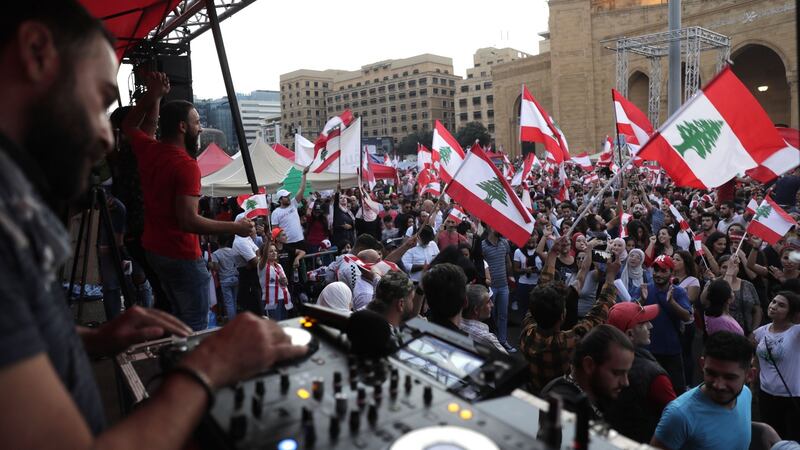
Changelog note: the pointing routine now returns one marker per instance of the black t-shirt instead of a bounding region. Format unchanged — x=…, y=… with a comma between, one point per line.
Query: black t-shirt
x=35, y=318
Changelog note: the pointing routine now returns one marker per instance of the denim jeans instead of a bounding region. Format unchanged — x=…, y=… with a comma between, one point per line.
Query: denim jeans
x=500, y=312
x=229, y=298
x=112, y=293
x=523, y=294
x=185, y=284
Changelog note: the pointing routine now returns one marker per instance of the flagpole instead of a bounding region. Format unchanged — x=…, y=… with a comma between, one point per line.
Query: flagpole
x=616, y=128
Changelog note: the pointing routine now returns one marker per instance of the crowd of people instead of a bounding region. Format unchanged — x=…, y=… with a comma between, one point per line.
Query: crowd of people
x=676, y=344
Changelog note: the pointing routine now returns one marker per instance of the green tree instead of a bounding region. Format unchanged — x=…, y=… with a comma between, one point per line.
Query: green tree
x=762, y=211
x=700, y=135
x=250, y=204
x=494, y=191
x=292, y=182
x=444, y=154
x=408, y=145
x=467, y=135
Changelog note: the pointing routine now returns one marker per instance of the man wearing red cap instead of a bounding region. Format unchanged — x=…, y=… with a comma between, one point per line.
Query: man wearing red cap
x=675, y=309
x=638, y=408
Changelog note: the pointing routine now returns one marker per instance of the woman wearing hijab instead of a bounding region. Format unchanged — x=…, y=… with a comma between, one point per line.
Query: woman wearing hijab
x=336, y=296
x=634, y=274
x=344, y=221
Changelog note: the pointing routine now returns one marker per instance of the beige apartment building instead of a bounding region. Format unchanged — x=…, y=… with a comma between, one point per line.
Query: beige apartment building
x=303, y=103
x=475, y=94
x=394, y=97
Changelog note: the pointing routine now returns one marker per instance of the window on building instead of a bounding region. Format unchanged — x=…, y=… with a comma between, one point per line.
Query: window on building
x=393, y=108
x=309, y=122
x=355, y=94
x=490, y=128
x=414, y=127
x=425, y=126
x=392, y=87
x=444, y=114
x=404, y=129
x=307, y=83
x=358, y=84
x=376, y=80
x=401, y=85
x=401, y=96
x=394, y=129
x=434, y=80
x=469, y=75
x=490, y=99
x=424, y=104
x=416, y=71
x=413, y=116
x=308, y=93
x=372, y=91
x=394, y=119
x=338, y=97
x=413, y=105
x=316, y=93
x=346, y=96
x=382, y=89
x=465, y=88
x=392, y=98
x=476, y=100
x=394, y=75
x=363, y=92
x=363, y=103
x=490, y=113
x=403, y=107
x=373, y=101
x=444, y=103
x=347, y=105
x=403, y=118
x=463, y=117
x=316, y=102
x=462, y=103
x=477, y=87
x=374, y=112
x=487, y=85
x=405, y=74
x=476, y=115
x=325, y=85
x=423, y=81
x=435, y=91
x=308, y=102
x=412, y=93
x=423, y=92
x=383, y=110
x=412, y=83
x=374, y=132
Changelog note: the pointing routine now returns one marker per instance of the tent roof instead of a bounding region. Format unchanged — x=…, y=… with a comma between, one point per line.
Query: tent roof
x=129, y=20
x=212, y=159
x=270, y=170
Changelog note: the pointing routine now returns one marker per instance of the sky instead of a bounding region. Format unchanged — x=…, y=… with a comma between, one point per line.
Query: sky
x=271, y=37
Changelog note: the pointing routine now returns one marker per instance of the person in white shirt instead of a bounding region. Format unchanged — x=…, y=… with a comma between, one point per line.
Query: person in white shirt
x=364, y=289
x=527, y=265
x=286, y=216
x=248, y=296
x=417, y=259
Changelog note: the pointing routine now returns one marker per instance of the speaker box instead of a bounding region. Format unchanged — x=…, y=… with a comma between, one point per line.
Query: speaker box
x=177, y=68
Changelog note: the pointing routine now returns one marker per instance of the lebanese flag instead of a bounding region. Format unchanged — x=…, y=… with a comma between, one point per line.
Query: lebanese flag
x=631, y=121
x=303, y=151
x=424, y=158
x=535, y=126
x=365, y=174
x=428, y=183
x=530, y=162
x=447, y=151
x=583, y=161
x=781, y=161
x=509, y=168
x=607, y=154
x=564, y=183
x=720, y=132
x=457, y=215
x=283, y=151
x=751, y=207
x=256, y=205
x=481, y=189
x=698, y=245
x=677, y=215
x=526, y=200
x=345, y=145
x=624, y=218
x=591, y=178
x=332, y=128
x=770, y=223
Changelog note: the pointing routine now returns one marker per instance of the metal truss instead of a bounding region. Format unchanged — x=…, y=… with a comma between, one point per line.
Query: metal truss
x=654, y=47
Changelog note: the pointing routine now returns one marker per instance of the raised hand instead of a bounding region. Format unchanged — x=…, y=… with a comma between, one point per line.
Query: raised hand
x=158, y=83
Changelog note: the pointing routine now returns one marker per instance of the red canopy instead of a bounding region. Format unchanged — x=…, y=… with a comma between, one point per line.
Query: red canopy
x=212, y=159
x=129, y=20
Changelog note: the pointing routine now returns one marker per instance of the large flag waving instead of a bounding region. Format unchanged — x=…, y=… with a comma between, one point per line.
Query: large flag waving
x=583, y=161
x=535, y=125
x=781, y=161
x=447, y=151
x=345, y=146
x=720, y=132
x=256, y=205
x=332, y=128
x=631, y=121
x=424, y=158
x=303, y=151
x=527, y=165
x=483, y=192
x=770, y=223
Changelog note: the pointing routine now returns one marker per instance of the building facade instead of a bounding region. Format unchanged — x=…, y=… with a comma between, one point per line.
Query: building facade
x=474, y=100
x=256, y=109
x=394, y=98
x=573, y=80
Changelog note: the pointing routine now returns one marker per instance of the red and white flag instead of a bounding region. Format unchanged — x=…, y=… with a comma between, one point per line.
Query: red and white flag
x=255, y=206
x=583, y=161
x=447, y=151
x=283, y=151
x=342, y=151
x=607, y=154
x=366, y=175
x=720, y=132
x=624, y=218
x=483, y=191
x=424, y=158
x=525, y=172
x=677, y=215
x=332, y=128
x=770, y=223
x=535, y=125
x=631, y=121
x=303, y=151
x=428, y=183
x=526, y=199
x=698, y=245
x=591, y=178
x=457, y=215
x=781, y=161
x=751, y=207
x=563, y=185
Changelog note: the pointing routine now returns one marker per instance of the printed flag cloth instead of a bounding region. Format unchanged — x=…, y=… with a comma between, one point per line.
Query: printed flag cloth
x=303, y=151
x=677, y=215
x=446, y=151
x=623, y=224
x=535, y=126
x=525, y=172
x=346, y=146
x=457, y=215
x=631, y=122
x=526, y=200
x=332, y=128
x=591, y=178
x=698, y=245
x=275, y=291
x=424, y=158
x=428, y=182
x=770, y=223
x=283, y=151
x=607, y=154
x=781, y=161
x=751, y=207
x=366, y=175
x=720, y=132
x=481, y=189
x=256, y=205
x=583, y=161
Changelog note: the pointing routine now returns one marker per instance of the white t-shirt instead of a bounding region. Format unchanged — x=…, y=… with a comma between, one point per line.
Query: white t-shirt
x=784, y=348
x=419, y=255
x=245, y=249
x=522, y=259
x=289, y=221
x=362, y=294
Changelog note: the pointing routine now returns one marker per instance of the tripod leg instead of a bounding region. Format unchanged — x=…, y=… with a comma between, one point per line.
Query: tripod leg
x=86, y=249
x=75, y=255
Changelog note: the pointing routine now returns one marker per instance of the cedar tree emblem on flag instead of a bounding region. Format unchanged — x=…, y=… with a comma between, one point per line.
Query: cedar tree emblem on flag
x=494, y=191
x=701, y=135
x=763, y=211
x=444, y=154
x=250, y=204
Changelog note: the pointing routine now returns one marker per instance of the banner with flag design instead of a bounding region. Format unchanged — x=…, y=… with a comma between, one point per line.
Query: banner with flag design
x=720, y=132
x=483, y=191
x=255, y=206
x=771, y=222
x=341, y=151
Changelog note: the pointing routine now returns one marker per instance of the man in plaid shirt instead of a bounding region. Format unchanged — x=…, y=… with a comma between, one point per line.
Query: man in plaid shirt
x=547, y=348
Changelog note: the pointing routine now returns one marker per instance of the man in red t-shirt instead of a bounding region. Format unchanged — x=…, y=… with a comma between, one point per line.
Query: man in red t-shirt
x=170, y=180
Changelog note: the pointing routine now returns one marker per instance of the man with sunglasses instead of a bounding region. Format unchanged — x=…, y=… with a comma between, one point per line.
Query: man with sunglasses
x=638, y=408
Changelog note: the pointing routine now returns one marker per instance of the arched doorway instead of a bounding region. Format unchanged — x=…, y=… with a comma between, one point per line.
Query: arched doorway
x=638, y=90
x=763, y=72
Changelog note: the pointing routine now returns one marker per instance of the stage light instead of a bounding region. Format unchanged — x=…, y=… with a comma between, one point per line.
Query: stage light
x=762, y=88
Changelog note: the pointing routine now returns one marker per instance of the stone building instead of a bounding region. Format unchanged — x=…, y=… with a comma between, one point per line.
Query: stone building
x=573, y=80
x=303, y=103
x=474, y=101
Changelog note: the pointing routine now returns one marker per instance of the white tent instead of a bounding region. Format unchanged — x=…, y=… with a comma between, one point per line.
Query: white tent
x=270, y=170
